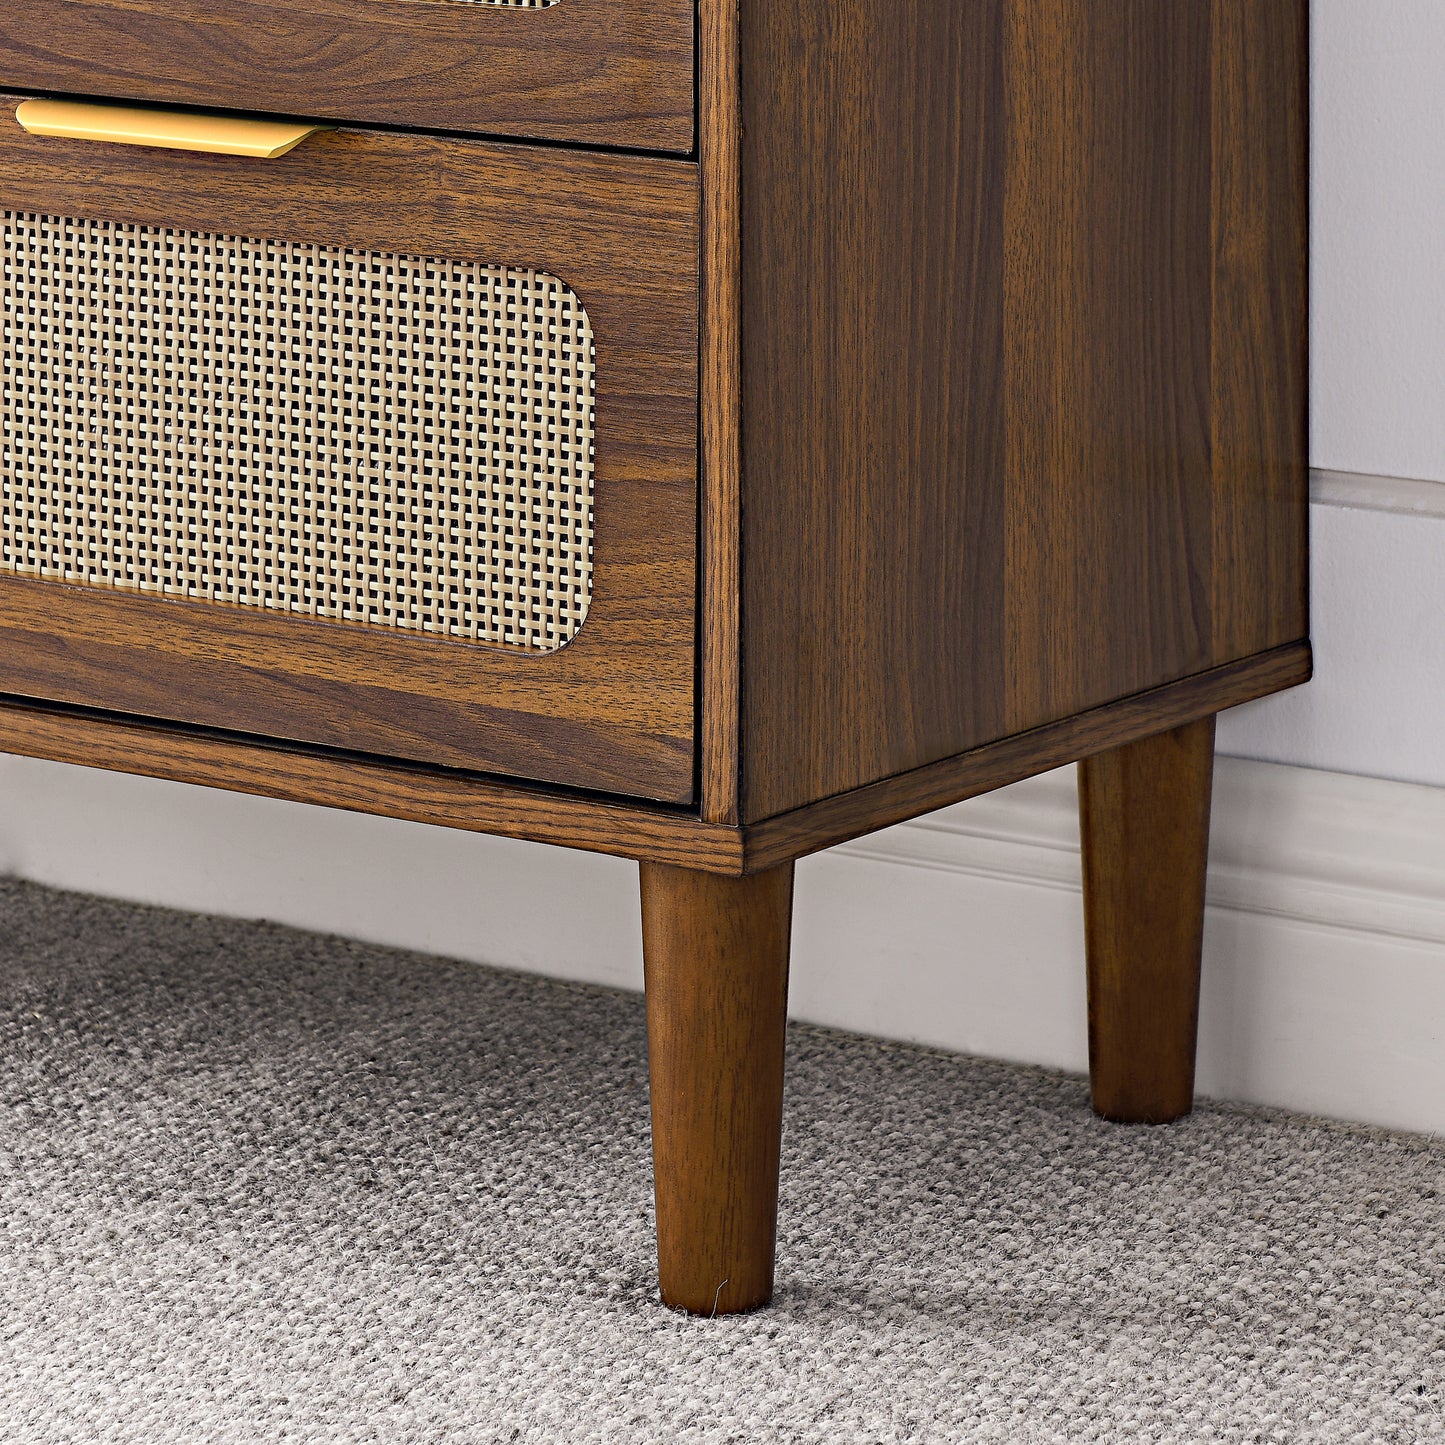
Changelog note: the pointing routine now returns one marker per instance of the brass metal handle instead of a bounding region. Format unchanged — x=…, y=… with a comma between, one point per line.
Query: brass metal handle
x=224, y=135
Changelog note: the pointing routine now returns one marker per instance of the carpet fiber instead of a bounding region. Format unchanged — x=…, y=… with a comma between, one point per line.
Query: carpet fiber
x=257, y=1185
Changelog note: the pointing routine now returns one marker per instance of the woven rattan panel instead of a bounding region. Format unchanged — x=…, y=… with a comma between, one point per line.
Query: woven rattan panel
x=346, y=434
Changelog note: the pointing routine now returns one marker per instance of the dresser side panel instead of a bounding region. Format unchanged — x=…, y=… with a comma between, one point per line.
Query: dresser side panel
x=1023, y=368
x=872, y=519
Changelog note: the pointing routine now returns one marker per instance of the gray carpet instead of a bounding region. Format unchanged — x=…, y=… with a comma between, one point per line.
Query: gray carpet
x=257, y=1185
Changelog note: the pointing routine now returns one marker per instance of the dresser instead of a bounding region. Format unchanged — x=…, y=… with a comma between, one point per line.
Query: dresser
x=700, y=432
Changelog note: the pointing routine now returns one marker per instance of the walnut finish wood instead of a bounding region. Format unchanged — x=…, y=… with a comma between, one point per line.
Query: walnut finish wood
x=449, y=799
x=871, y=410
x=611, y=825
x=1144, y=818
x=995, y=765
x=1022, y=417
x=720, y=480
x=594, y=71
x=1259, y=380
x=716, y=954
x=613, y=710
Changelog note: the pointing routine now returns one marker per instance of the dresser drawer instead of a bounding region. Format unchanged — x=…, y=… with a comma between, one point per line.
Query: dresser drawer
x=387, y=444
x=604, y=72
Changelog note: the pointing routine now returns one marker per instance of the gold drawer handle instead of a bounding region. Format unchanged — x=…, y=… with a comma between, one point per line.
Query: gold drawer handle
x=222, y=135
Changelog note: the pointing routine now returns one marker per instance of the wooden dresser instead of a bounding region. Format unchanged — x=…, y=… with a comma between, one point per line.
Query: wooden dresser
x=698, y=432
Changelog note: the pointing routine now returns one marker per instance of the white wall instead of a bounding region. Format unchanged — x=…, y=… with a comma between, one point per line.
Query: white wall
x=1377, y=311
x=1325, y=988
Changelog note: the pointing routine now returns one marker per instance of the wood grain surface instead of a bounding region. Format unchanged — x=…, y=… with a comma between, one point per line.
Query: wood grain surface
x=1023, y=369
x=720, y=478
x=995, y=765
x=614, y=709
x=456, y=799
x=872, y=406
x=1259, y=379
x=716, y=956
x=443, y=797
x=1144, y=824
x=1107, y=280
x=595, y=71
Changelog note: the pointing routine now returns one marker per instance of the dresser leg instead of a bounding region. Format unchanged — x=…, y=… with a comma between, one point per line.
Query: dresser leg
x=1144, y=815
x=716, y=957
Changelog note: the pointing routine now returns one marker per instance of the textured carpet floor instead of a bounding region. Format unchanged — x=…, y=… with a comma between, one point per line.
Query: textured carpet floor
x=257, y=1185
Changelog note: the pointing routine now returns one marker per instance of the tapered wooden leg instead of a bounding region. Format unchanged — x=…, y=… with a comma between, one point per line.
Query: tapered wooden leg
x=716, y=957
x=1144, y=815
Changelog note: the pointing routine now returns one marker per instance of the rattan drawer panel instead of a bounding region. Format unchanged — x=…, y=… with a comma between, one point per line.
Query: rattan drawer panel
x=388, y=444
x=381, y=439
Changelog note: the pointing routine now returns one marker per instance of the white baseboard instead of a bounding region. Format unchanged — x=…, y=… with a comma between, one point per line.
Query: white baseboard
x=1325, y=943
x=1291, y=843
x=1324, y=983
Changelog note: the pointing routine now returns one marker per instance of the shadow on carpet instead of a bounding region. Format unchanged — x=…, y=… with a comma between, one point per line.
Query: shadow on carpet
x=258, y=1185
